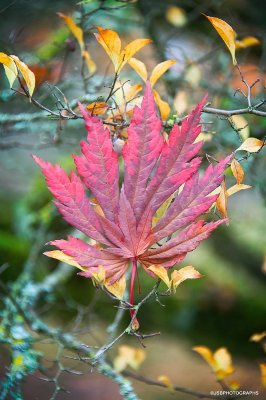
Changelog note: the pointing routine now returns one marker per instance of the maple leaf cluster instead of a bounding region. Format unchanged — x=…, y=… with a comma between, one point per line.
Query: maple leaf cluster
x=122, y=221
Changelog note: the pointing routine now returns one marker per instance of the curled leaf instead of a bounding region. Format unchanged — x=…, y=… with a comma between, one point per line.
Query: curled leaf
x=247, y=41
x=166, y=381
x=220, y=361
x=163, y=106
x=238, y=171
x=10, y=68
x=252, y=145
x=226, y=32
x=179, y=276
x=161, y=272
x=221, y=202
x=236, y=188
x=76, y=31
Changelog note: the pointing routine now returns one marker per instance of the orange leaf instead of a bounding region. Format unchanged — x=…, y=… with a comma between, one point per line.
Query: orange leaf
x=97, y=108
x=221, y=202
x=164, y=107
x=129, y=51
x=227, y=34
x=159, y=70
x=238, y=171
x=247, y=41
x=139, y=67
x=179, y=276
x=59, y=255
x=111, y=43
x=236, y=188
x=74, y=29
x=252, y=145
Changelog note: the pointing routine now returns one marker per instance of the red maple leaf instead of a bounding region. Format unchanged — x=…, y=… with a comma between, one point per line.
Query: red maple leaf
x=154, y=169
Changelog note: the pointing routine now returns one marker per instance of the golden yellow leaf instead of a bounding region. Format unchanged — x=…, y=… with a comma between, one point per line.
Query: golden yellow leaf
x=238, y=171
x=97, y=108
x=221, y=202
x=129, y=51
x=179, y=276
x=220, y=361
x=111, y=43
x=236, y=188
x=159, y=70
x=247, y=41
x=27, y=74
x=98, y=277
x=139, y=67
x=89, y=62
x=176, y=16
x=161, y=272
x=223, y=361
x=118, y=288
x=10, y=68
x=226, y=32
x=252, y=145
x=181, y=102
x=164, y=107
x=59, y=255
x=74, y=29
x=257, y=337
x=128, y=356
x=166, y=381
x=263, y=373
x=241, y=124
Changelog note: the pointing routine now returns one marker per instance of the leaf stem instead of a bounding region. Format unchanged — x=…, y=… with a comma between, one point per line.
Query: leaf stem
x=135, y=323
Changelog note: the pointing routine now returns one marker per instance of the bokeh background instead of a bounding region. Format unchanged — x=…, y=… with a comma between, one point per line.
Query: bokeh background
x=225, y=307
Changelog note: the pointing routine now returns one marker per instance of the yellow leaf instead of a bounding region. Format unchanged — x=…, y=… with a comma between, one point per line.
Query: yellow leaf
x=10, y=68
x=97, y=108
x=257, y=337
x=118, y=288
x=164, y=107
x=129, y=356
x=238, y=171
x=227, y=34
x=89, y=62
x=159, y=70
x=166, y=381
x=176, y=16
x=263, y=373
x=247, y=41
x=179, y=276
x=241, y=124
x=221, y=202
x=236, y=188
x=59, y=255
x=111, y=43
x=161, y=272
x=27, y=74
x=193, y=75
x=252, y=145
x=129, y=51
x=181, y=102
x=161, y=210
x=139, y=67
x=74, y=29
x=220, y=361
x=223, y=363
x=98, y=277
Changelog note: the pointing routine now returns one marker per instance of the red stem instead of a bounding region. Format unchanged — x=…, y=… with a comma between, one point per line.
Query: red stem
x=135, y=324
